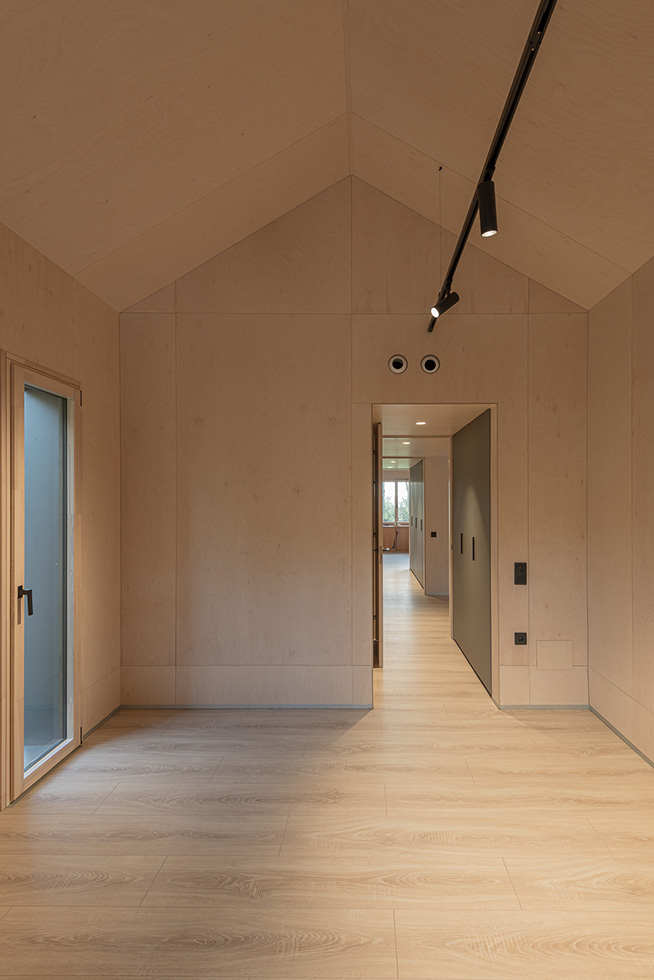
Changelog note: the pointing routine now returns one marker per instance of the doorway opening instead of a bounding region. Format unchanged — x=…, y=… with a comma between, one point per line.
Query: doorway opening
x=431, y=450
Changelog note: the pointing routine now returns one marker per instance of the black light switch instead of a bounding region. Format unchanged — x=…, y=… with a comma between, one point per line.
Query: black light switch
x=520, y=573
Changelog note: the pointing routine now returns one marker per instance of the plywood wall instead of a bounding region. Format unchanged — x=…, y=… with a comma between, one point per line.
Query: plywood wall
x=238, y=413
x=47, y=318
x=279, y=348
x=620, y=525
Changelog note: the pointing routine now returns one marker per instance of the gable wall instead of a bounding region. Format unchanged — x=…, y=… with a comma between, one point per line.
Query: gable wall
x=246, y=408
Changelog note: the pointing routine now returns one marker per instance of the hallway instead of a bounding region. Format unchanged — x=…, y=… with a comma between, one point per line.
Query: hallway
x=434, y=837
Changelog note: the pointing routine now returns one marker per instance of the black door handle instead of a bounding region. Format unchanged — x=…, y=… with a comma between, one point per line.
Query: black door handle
x=28, y=595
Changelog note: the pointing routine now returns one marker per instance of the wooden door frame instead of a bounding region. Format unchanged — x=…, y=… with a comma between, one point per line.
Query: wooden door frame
x=15, y=370
x=378, y=546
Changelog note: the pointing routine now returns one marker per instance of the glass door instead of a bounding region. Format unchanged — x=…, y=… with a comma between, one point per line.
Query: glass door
x=44, y=716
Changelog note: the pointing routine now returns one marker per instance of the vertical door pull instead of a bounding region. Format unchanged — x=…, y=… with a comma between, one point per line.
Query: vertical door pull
x=27, y=593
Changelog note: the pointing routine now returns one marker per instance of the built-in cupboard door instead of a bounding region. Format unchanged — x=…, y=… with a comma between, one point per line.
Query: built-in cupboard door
x=471, y=584
x=44, y=531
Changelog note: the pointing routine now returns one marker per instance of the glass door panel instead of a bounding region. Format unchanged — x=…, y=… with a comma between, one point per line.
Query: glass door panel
x=43, y=543
x=46, y=558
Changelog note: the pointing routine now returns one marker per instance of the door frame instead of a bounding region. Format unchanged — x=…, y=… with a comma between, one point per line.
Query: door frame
x=378, y=548
x=362, y=516
x=15, y=371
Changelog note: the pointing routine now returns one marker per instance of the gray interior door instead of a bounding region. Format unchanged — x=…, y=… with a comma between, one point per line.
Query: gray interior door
x=471, y=590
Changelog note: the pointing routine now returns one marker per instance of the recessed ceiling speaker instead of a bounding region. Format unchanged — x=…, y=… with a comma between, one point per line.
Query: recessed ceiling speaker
x=430, y=364
x=398, y=364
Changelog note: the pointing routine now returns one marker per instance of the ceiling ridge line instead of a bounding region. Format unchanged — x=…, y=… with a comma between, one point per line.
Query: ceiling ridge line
x=347, y=62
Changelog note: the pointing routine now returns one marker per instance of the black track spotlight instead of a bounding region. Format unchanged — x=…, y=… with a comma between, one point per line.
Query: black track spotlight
x=487, y=209
x=442, y=306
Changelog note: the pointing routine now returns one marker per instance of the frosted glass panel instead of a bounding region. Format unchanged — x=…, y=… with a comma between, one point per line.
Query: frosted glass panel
x=46, y=552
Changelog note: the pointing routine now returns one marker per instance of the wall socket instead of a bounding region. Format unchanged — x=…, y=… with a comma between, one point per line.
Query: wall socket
x=520, y=639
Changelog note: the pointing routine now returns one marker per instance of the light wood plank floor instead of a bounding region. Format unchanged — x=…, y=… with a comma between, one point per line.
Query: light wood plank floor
x=434, y=837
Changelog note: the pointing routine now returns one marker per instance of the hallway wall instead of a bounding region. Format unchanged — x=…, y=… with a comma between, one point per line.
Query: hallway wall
x=247, y=389
x=48, y=318
x=620, y=516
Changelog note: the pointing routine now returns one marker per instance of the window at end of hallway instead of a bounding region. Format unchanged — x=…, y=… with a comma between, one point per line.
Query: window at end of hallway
x=396, y=502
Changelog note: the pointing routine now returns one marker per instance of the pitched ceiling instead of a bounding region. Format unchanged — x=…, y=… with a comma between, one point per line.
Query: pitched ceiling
x=144, y=136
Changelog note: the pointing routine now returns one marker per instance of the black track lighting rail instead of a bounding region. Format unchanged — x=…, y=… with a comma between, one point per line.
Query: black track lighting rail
x=525, y=65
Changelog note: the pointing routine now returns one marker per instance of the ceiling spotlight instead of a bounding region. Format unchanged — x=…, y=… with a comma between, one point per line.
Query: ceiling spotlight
x=406, y=443
x=487, y=210
x=421, y=423
x=443, y=305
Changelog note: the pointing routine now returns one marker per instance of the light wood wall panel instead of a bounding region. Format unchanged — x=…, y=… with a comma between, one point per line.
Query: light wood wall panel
x=269, y=684
x=101, y=698
x=187, y=238
x=264, y=534
x=147, y=343
x=37, y=303
x=610, y=585
x=628, y=715
x=557, y=496
x=513, y=514
x=262, y=422
x=163, y=301
x=96, y=364
x=153, y=685
x=620, y=472
x=395, y=255
x=51, y=320
x=396, y=169
x=544, y=300
x=300, y=263
x=362, y=682
x=643, y=481
x=399, y=258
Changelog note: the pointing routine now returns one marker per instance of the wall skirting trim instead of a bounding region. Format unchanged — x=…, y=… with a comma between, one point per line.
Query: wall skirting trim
x=546, y=707
x=624, y=739
x=240, y=707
